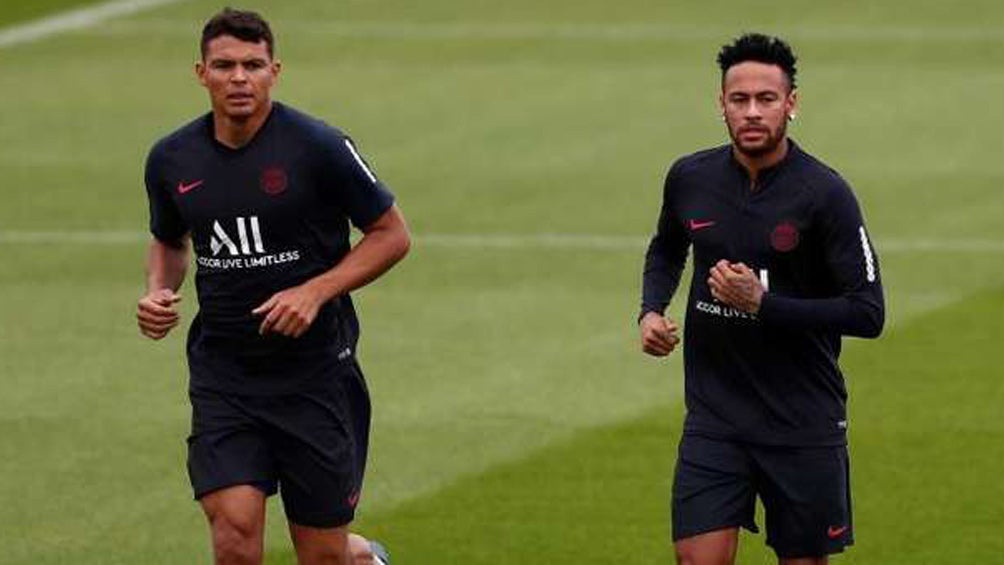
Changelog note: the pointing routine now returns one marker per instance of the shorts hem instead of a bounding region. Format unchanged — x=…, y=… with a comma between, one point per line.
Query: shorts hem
x=810, y=554
x=264, y=486
x=708, y=529
x=336, y=521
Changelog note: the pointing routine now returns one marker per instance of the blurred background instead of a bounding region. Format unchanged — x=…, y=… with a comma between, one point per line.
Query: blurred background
x=515, y=419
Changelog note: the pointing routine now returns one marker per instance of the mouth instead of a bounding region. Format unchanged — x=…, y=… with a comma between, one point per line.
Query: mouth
x=240, y=97
x=753, y=133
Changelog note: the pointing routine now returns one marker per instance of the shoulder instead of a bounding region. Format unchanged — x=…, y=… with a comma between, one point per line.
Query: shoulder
x=700, y=163
x=312, y=129
x=173, y=147
x=194, y=132
x=829, y=189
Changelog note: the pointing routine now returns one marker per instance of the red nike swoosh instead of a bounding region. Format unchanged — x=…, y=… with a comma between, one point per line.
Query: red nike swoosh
x=696, y=225
x=835, y=533
x=183, y=188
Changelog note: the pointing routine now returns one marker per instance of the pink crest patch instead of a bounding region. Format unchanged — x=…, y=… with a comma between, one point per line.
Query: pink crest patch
x=785, y=237
x=273, y=181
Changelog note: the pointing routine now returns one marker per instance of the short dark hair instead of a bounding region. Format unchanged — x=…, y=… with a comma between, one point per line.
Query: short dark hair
x=242, y=24
x=762, y=49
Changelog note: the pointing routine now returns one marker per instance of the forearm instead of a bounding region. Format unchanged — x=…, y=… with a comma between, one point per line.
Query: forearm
x=383, y=244
x=860, y=315
x=661, y=276
x=166, y=265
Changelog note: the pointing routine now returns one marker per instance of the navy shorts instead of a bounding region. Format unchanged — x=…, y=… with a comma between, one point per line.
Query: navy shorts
x=805, y=493
x=309, y=446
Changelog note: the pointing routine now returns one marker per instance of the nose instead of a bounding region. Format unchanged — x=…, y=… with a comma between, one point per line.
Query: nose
x=239, y=74
x=753, y=110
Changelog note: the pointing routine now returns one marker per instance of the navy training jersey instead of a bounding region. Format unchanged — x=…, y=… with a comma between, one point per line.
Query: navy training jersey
x=770, y=378
x=264, y=217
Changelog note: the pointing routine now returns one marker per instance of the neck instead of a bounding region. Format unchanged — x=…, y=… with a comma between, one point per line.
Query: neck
x=755, y=164
x=236, y=133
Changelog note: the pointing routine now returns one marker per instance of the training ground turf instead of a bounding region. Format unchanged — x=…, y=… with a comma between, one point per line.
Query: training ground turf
x=515, y=420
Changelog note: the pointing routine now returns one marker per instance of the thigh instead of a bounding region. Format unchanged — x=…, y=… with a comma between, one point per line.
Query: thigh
x=712, y=487
x=226, y=446
x=240, y=507
x=711, y=548
x=806, y=496
x=319, y=440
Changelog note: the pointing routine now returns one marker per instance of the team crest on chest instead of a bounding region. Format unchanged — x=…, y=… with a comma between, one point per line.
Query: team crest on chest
x=274, y=181
x=784, y=237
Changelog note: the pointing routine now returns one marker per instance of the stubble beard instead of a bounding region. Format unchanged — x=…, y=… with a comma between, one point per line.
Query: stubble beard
x=770, y=143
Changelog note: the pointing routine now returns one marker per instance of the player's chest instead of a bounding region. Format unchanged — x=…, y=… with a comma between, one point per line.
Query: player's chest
x=222, y=190
x=739, y=224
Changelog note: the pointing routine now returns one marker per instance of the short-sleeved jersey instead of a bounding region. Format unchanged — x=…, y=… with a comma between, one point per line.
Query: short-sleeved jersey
x=262, y=218
x=773, y=377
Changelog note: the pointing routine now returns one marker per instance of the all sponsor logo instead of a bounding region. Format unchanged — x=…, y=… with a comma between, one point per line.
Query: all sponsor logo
x=245, y=251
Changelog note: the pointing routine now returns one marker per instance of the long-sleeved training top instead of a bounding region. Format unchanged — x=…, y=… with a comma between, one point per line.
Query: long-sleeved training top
x=769, y=378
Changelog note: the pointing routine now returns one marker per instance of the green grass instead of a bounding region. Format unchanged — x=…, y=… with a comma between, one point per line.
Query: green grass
x=515, y=420
x=924, y=469
x=20, y=11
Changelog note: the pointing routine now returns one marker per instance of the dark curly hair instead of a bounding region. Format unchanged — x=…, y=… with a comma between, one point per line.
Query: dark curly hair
x=762, y=49
x=242, y=24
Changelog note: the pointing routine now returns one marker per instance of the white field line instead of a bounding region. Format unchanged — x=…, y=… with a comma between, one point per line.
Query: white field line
x=629, y=31
x=583, y=242
x=74, y=19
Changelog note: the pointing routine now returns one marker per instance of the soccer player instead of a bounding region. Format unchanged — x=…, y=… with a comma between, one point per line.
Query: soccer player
x=264, y=194
x=783, y=267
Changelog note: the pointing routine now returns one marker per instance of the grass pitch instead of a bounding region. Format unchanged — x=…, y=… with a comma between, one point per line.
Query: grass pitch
x=515, y=421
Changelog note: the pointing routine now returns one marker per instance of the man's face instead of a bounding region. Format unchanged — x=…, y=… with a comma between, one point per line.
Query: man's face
x=756, y=102
x=238, y=75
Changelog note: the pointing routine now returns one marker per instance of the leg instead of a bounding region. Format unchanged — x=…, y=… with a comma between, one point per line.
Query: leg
x=320, y=453
x=806, y=498
x=713, y=548
x=237, y=520
x=322, y=546
x=713, y=496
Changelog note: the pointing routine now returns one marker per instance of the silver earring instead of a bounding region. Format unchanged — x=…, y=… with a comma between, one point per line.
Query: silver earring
x=791, y=117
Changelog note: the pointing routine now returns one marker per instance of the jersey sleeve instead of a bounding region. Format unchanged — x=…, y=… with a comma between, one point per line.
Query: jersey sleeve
x=166, y=223
x=666, y=255
x=351, y=182
x=852, y=264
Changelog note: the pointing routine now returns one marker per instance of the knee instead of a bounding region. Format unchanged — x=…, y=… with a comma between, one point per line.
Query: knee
x=685, y=557
x=328, y=555
x=236, y=539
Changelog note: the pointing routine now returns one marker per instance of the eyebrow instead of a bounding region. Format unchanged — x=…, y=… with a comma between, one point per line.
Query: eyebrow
x=757, y=93
x=232, y=60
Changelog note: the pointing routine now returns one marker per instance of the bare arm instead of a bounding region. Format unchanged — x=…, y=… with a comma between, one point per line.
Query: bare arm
x=291, y=311
x=166, y=265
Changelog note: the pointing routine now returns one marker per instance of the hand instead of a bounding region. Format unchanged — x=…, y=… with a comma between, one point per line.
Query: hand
x=658, y=334
x=736, y=285
x=156, y=313
x=290, y=312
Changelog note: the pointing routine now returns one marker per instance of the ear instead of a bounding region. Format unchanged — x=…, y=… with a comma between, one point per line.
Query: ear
x=276, y=69
x=791, y=103
x=721, y=103
x=200, y=72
